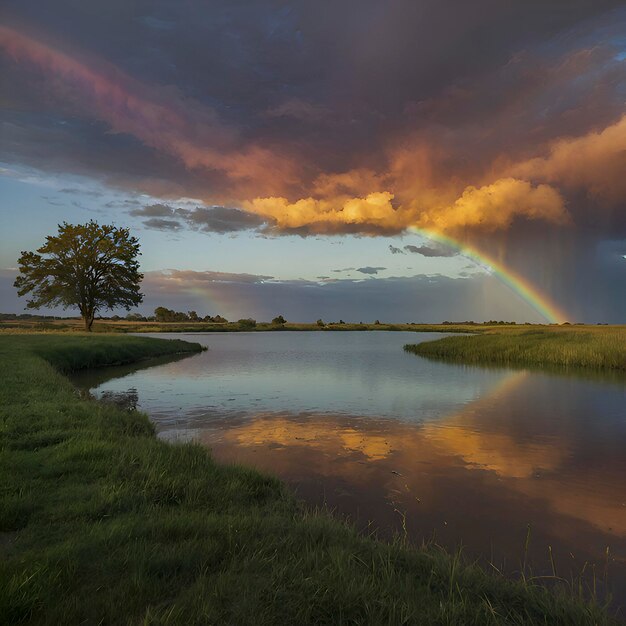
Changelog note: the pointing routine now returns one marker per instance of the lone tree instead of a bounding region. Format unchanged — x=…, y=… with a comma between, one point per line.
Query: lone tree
x=88, y=266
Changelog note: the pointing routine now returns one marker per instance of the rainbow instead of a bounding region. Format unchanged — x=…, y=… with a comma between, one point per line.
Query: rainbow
x=518, y=284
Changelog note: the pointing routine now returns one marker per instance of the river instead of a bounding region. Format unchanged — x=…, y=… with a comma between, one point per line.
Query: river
x=520, y=468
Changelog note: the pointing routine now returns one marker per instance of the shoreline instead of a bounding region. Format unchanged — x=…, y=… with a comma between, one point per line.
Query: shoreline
x=147, y=520
x=601, y=350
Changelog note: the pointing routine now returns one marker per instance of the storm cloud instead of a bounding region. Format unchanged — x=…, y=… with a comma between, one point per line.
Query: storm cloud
x=367, y=119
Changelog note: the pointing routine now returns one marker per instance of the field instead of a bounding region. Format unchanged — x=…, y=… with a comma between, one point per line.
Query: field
x=122, y=326
x=100, y=522
x=589, y=347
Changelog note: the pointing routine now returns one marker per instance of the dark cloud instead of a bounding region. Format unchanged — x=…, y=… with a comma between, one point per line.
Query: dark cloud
x=158, y=223
x=370, y=270
x=344, y=269
x=215, y=219
x=395, y=250
x=432, y=250
x=299, y=96
x=153, y=210
x=220, y=219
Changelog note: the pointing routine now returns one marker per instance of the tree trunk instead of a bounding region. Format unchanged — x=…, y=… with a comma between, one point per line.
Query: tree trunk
x=88, y=320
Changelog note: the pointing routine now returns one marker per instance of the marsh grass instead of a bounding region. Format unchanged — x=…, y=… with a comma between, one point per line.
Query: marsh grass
x=592, y=348
x=101, y=522
x=123, y=326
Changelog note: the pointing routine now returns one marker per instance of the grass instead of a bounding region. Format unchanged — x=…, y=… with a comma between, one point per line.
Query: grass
x=598, y=348
x=100, y=522
x=122, y=326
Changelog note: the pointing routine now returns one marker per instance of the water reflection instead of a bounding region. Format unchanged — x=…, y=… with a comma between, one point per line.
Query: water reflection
x=468, y=456
x=455, y=480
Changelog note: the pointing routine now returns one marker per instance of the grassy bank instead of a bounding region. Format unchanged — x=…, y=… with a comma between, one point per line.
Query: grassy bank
x=600, y=348
x=109, y=326
x=100, y=522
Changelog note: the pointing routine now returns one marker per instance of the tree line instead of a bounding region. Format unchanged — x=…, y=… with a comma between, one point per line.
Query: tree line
x=163, y=314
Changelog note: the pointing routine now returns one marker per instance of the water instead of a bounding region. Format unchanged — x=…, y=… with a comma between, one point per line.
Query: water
x=462, y=455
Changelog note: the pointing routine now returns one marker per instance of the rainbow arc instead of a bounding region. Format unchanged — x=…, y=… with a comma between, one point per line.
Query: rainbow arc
x=539, y=301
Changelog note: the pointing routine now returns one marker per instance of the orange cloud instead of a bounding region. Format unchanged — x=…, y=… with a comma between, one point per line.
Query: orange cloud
x=494, y=207
x=375, y=209
x=491, y=207
x=595, y=162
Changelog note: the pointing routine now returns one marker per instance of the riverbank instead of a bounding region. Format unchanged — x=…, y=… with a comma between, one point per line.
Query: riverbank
x=593, y=348
x=122, y=326
x=100, y=521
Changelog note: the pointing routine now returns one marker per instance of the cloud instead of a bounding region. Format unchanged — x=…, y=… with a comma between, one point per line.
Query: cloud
x=370, y=270
x=160, y=118
x=495, y=206
x=52, y=201
x=215, y=219
x=395, y=250
x=433, y=250
x=222, y=219
x=488, y=208
x=375, y=209
x=153, y=210
x=595, y=162
x=353, y=123
x=300, y=110
x=158, y=223
x=191, y=278
x=418, y=298
x=81, y=192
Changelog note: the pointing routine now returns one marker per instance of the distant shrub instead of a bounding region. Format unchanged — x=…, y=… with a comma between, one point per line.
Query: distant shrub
x=248, y=322
x=320, y=322
x=279, y=321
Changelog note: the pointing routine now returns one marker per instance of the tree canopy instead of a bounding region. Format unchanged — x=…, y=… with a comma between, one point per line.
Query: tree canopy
x=88, y=266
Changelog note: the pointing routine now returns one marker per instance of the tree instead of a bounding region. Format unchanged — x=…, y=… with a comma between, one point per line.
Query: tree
x=248, y=322
x=320, y=322
x=163, y=314
x=279, y=321
x=88, y=266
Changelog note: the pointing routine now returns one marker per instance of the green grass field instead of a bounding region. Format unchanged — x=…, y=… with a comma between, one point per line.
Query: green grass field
x=101, y=523
x=598, y=348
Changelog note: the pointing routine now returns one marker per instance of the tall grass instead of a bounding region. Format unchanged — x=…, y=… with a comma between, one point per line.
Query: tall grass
x=600, y=349
x=100, y=522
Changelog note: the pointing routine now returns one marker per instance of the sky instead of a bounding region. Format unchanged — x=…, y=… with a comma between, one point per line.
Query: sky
x=406, y=160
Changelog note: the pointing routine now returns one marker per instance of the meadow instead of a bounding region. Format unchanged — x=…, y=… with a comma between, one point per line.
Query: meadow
x=588, y=347
x=101, y=522
x=124, y=326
